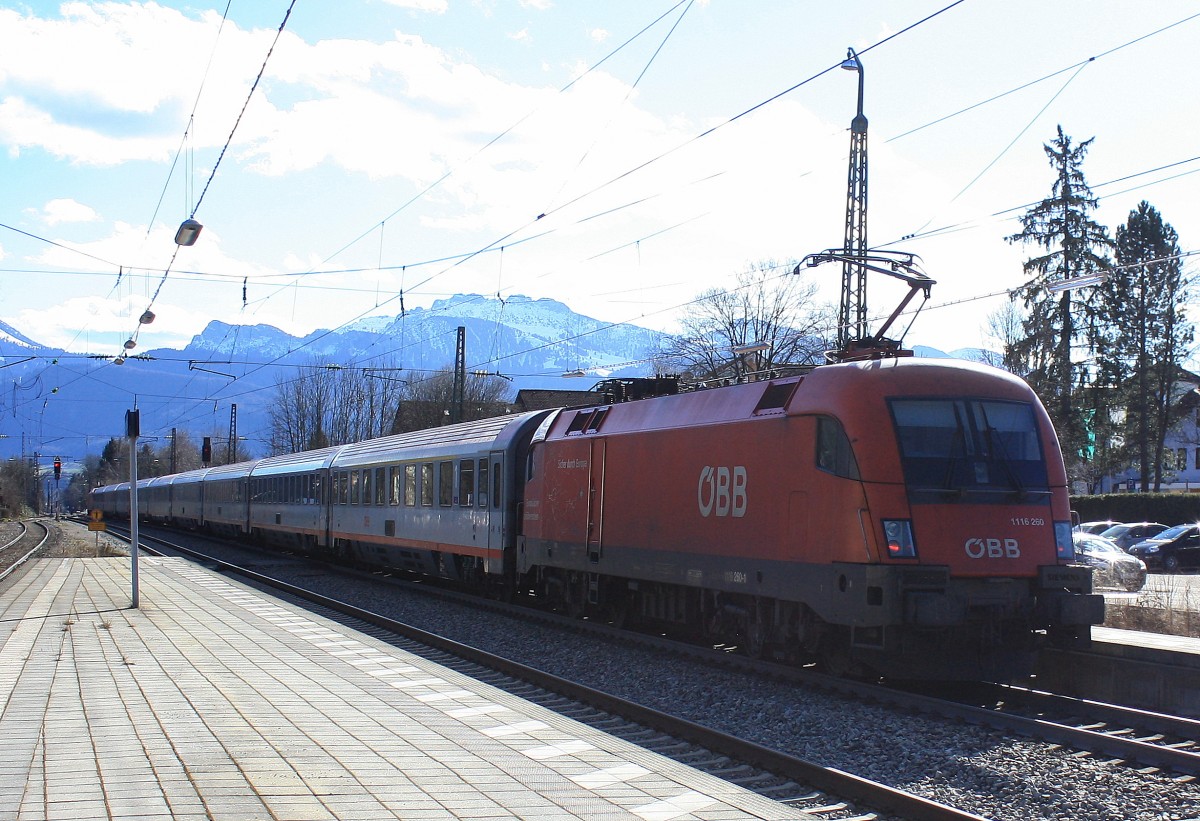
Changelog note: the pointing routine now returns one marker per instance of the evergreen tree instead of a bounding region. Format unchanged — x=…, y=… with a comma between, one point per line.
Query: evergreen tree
x=1147, y=334
x=1074, y=246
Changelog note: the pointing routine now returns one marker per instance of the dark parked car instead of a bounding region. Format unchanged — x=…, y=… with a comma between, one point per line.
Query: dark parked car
x=1095, y=527
x=1112, y=567
x=1127, y=535
x=1174, y=548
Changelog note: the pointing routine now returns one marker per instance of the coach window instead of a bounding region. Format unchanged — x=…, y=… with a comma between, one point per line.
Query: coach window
x=466, y=482
x=495, y=490
x=483, y=482
x=366, y=486
x=445, y=484
x=394, y=485
x=427, y=484
x=380, y=486
x=410, y=485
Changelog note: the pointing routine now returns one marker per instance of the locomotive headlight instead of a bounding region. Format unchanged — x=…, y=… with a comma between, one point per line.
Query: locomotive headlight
x=1064, y=541
x=900, y=542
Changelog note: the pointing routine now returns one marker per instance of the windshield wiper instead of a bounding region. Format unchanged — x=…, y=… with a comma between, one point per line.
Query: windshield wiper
x=997, y=443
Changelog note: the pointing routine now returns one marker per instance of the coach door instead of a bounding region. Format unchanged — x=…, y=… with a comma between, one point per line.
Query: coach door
x=595, y=513
x=491, y=492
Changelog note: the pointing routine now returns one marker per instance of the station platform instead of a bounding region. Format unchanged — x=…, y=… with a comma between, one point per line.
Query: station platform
x=215, y=701
x=1150, y=671
x=1156, y=647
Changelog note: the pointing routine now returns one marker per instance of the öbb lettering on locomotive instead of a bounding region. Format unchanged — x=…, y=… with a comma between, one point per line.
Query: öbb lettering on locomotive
x=722, y=491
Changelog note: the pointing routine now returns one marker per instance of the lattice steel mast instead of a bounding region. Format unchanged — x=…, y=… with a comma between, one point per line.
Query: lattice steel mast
x=852, y=310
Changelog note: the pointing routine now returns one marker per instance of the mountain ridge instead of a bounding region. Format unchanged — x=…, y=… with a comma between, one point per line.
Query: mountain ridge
x=531, y=342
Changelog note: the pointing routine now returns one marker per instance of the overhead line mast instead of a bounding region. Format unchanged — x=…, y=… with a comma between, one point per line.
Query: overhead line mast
x=854, y=340
x=852, y=310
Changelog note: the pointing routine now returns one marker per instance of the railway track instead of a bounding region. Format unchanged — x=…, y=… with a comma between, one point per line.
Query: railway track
x=822, y=791
x=1171, y=743
x=17, y=548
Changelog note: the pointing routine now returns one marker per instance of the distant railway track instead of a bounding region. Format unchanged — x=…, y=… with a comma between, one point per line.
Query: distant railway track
x=823, y=791
x=20, y=543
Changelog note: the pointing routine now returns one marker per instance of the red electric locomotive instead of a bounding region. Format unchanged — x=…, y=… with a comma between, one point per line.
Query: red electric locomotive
x=902, y=516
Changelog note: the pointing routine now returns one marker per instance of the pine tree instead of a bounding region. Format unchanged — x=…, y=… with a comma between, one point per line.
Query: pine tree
x=1148, y=334
x=1075, y=246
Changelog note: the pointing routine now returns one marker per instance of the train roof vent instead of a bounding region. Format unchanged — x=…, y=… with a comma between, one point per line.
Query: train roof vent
x=587, y=421
x=775, y=398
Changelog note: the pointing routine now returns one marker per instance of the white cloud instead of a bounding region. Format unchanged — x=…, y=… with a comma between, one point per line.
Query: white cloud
x=522, y=36
x=598, y=35
x=95, y=324
x=538, y=5
x=435, y=6
x=68, y=210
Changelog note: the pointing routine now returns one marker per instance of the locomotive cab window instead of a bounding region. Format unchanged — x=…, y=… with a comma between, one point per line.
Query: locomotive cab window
x=834, y=453
x=970, y=450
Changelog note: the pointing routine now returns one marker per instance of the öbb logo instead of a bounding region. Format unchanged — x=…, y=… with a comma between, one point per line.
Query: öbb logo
x=722, y=491
x=993, y=548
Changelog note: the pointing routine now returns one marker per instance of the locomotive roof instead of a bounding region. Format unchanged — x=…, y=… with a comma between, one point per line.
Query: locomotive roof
x=827, y=389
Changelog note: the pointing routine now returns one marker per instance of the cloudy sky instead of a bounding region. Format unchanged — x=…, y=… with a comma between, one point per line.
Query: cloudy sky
x=618, y=156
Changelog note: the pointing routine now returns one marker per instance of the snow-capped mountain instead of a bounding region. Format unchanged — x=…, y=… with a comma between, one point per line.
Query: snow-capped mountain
x=73, y=405
x=70, y=405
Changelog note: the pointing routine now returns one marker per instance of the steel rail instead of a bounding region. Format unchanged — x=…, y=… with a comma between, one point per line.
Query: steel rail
x=29, y=555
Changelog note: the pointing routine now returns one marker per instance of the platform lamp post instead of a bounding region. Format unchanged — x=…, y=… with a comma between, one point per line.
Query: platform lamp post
x=132, y=430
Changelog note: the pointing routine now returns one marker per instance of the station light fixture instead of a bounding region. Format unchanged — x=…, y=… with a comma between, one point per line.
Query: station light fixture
x=188, y=233
x=1076, y=282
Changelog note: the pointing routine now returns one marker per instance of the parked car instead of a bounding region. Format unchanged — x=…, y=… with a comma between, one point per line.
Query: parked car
x=1127, y=535
x=1175, y=548
x=1095, y=527
x=1112, y=567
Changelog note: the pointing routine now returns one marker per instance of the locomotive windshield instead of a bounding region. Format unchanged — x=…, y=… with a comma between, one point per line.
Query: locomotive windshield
x=970, y=450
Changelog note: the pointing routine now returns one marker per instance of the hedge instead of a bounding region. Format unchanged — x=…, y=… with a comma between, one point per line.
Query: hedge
x=1168, y=508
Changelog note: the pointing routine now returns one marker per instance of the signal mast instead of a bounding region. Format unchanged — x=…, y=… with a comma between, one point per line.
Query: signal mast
x=853, y=338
